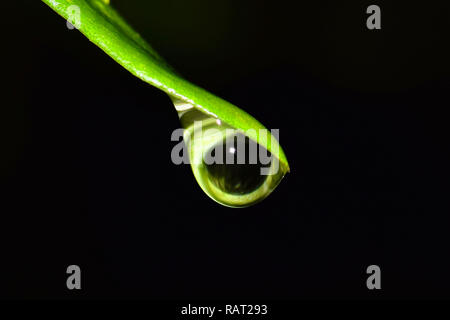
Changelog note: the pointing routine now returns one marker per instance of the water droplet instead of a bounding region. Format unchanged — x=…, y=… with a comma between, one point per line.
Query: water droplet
x=231, y=168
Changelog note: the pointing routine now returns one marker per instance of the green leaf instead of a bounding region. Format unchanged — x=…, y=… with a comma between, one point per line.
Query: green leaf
x=101, y=24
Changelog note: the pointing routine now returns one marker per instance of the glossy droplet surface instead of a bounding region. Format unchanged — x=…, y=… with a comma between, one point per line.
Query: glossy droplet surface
x=231, y=168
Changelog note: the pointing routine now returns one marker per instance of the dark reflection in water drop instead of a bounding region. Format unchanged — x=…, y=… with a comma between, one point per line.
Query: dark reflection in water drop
x=237, y=178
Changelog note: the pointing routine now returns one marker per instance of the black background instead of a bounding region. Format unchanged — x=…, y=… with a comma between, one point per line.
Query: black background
x=87, y=179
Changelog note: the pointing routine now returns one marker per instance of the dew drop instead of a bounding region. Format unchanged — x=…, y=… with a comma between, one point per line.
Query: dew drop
x=228, y=165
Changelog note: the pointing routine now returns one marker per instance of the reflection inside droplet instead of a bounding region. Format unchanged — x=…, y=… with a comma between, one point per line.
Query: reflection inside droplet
x=231, y=176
